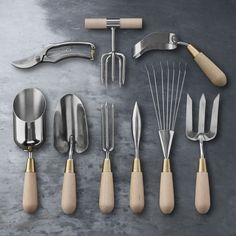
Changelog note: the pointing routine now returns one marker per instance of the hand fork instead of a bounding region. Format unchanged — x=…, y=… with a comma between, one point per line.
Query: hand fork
x=106, y=197
x=113, y=56
x=202, y=190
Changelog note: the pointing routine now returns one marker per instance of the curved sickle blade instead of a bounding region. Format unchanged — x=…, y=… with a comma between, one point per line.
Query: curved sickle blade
x=155, y=41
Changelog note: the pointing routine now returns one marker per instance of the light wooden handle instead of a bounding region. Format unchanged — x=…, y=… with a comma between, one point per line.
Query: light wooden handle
x=124, y=23
x=68, y=198
x=30, y=193
x=136, y=192
x=202, y=191
x=166, y=200
x=131, y=23
x=210, y=69
x=106, y=195
x=95, y=23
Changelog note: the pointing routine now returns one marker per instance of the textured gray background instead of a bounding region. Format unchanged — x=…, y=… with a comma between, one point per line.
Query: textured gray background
x=26, y=26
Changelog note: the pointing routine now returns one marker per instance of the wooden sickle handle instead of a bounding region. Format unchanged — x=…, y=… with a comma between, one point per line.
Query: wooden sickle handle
x=124, y=23
x=30, y=192
x=68, y=198
x=136, y=201
x=106, y=195
x=166, y=201
x=202, y=191
x=209, y=68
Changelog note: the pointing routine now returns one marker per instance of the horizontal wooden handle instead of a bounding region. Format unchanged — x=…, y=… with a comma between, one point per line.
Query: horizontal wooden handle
x=202, y=191
x=166, y=200
x=209, y=68
x=136, y=201
x=106, y=196
x=95, y=23
x=68, y=199
x=131, y=23
x=124, y=23
x=30, y=192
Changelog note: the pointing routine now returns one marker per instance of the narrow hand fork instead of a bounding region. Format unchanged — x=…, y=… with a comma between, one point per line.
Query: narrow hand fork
x=202, y=190
x=106, y=197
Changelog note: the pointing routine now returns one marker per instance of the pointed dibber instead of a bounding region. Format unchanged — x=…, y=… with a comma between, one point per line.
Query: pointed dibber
x=136, y=182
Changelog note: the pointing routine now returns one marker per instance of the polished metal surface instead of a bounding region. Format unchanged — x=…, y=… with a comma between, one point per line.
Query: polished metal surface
x=57, y=52
x=155, y=41
x=136, y=128
x=201, y=135
x=107, y=115
x=29, y=108
x=166, y=95
x=70, y=126
x=111, y=58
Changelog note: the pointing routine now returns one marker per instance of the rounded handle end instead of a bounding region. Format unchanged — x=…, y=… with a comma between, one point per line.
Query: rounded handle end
x=68, y=200
x=202, y=193
x=166, y=200
x=30, y=193
x=106, y=196
x=136, y=192
x=209, y=68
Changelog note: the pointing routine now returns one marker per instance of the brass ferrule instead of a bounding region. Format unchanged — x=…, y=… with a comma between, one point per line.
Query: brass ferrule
x=193, y=50
x=166, y=165
x=69, y=167
x=202, y=167
x=106, y=165
x=30, y=165
x=136, y=165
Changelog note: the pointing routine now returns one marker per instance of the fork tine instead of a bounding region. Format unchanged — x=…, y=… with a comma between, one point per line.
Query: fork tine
x=214, y=116
x=201, y=117
x=189, y=116
x=103, y=127
x=122, y=61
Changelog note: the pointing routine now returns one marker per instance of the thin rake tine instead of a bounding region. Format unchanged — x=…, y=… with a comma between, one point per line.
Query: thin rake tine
x=180, y=93
x=152, y=95
x=157, y=97
x=172, y=93
x=167, y=94
x=163, y=95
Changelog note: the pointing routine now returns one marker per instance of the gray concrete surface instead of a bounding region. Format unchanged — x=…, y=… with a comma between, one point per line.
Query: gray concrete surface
x=27, y=26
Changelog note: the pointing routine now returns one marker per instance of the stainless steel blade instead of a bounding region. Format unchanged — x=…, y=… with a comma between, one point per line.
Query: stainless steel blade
x=136, y=127
x=27, y=62
x=155, y=41
x=70, y=120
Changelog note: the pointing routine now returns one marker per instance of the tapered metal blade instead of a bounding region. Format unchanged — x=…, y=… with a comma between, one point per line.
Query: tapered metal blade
x=136, y=125
x=166, y=137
